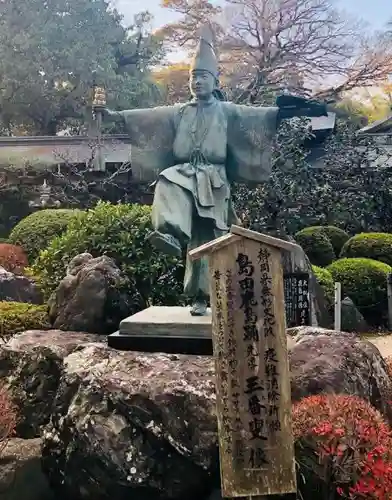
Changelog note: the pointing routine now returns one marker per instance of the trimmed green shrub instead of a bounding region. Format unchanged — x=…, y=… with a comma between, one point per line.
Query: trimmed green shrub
x=16, y=317
x=35, y=232
x=377, y=246
x=365, y=282
x=324, y=277
x=316, y=245
x=118, y=231
x=336, y=236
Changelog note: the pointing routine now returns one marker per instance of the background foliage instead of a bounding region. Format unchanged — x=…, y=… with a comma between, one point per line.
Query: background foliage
x=349, y=187
x=34, y=233
x=48, y=52
x=365, y=282
x=118, y=231
x=377, y=246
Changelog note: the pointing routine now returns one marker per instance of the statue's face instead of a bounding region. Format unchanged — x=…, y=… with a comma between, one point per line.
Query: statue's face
x=202, y=84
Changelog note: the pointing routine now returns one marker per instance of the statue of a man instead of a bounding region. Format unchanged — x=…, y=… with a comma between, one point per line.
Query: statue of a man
x=194, y=151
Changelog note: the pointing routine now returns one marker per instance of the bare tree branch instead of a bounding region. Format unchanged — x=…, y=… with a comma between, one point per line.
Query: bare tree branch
x=74, y=183
x=295, y=45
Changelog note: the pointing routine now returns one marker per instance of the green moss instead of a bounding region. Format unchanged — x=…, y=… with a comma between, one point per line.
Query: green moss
x=16, y=317
x=316, y=245
x=35, y=232
x=377, y=246
x=365, y=282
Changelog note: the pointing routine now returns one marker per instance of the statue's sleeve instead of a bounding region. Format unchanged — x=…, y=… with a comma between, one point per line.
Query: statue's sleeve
x=250, y=136
x=151, y=133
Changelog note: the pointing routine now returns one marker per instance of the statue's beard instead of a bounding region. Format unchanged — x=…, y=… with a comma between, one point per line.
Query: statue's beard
x=201, y=94
x=217, y=93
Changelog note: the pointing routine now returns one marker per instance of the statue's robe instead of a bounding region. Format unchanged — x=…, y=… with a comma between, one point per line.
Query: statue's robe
x=196, y=156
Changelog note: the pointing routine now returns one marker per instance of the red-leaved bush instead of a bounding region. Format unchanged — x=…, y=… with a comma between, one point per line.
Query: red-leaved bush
x=8, y=417
x=343, y=448
x=12, y=258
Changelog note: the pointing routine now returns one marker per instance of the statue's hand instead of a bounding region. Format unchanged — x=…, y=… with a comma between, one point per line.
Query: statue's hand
x=104, y=113
x=99, y=108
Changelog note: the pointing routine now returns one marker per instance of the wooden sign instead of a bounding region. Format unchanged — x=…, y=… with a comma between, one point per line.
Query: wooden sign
x=252, y=373
x=296, y=296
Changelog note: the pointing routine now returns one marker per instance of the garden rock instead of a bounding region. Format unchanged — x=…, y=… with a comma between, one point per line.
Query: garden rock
x=88, y=299
x=21, y=477
x=15, y=288
x=30, y=367
x=341, y=365
x=299, y=332
x=143, y=425
x=352, y=319
x=130, y=425
x=76, y=264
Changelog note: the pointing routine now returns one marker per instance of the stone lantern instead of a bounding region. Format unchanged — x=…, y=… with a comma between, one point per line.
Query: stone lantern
x=45, y=200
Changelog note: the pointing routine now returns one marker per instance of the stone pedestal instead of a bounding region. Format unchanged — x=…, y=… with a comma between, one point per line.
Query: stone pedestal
x=164, y=329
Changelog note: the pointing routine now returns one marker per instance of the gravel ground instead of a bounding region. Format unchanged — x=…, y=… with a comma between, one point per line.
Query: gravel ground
x=383, y=344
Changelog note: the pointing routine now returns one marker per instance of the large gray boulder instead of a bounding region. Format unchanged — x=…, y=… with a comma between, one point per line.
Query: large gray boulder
x=298, y=332
x=21, y=475
x=143, y=426
x=129, y=425
x=31, y=365
x=89, y=298
x=339, y=364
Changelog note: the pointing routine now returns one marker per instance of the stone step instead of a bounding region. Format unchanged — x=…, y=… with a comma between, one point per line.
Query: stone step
x=168, y=344
x=164, y=329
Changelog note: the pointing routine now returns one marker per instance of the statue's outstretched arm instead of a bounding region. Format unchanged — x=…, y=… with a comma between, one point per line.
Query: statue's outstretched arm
x=111, y=116
x=292, y=106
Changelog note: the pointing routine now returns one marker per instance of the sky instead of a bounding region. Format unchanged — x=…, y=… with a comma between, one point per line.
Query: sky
x=131, y=7
x=375, y=12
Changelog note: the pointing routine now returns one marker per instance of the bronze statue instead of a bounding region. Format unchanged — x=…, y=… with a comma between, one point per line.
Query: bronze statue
x=195, y=151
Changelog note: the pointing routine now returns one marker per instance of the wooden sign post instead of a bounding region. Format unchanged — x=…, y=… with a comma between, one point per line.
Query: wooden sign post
x=252, y=373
